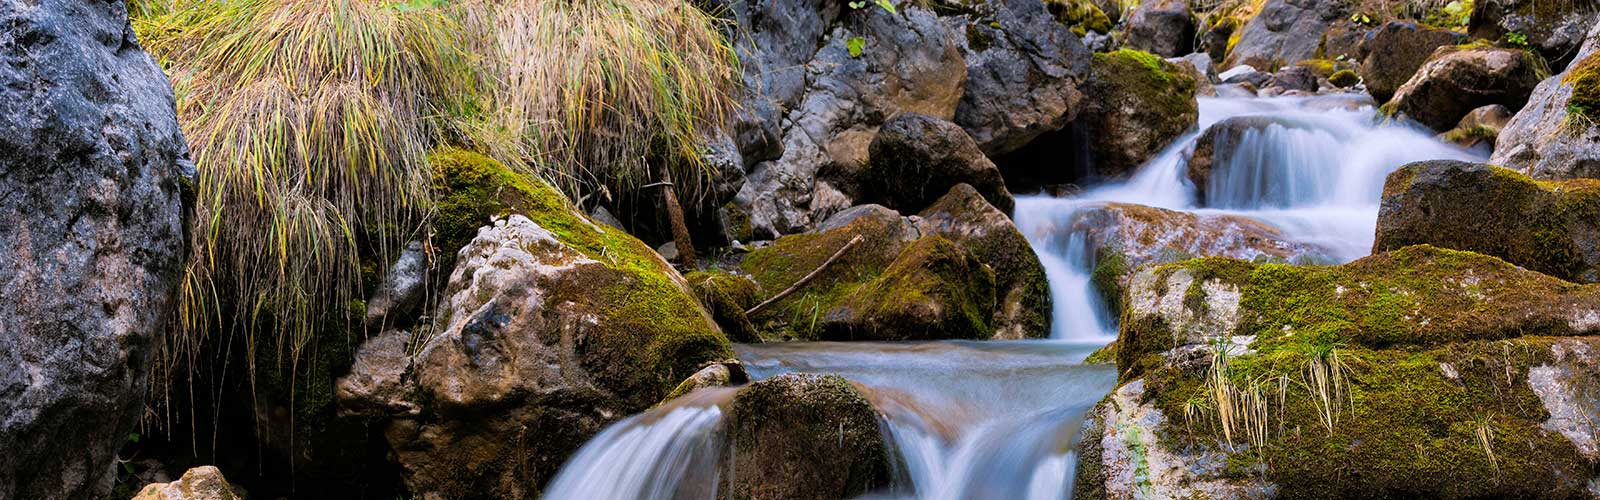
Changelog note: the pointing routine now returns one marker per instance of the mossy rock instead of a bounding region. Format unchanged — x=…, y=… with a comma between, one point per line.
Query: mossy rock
x=804, y=436
x=1584, y=77
x=1472, y=419
x=934, y=289
x=727, y=296
x=1415, y=297
x=1022, y=291
x=1344, y=78
x=1083, y=16
x=1548, y=226
x=1139, y=103
x=1458, y=79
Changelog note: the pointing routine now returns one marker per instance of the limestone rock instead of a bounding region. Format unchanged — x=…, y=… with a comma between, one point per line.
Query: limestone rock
x=199, y=483
x=91, y=162
x=1285, y=32
x=1024, y=70
x=1139, y=104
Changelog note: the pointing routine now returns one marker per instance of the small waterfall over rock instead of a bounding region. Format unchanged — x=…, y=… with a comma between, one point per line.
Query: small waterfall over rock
x=1000, y=419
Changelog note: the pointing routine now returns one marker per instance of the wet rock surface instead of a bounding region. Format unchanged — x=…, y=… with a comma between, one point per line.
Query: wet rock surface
x=1391, y=54
x=1455, y=81
x=804, y=436
x=91, y=225
x=1139, y=104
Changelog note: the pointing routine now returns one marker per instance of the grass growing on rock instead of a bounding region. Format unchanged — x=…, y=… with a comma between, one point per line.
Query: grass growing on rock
x=1584, y=77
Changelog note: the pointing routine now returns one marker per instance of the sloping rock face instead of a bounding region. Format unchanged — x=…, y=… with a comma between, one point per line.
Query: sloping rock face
x=909, y=63
x=1394, y=52
x=1139, y=103
x=960, y=269
x=1023, y=73
x=915, y=159
x=1557, y=134
x=801, y=436
x=1455, y=81
x=1164, y=28
x=1550, y=227
x=1556, y=29
x=91, y=226
x=1285, y=32
x=1418, y=372
x=199, y=483
x=551, y=327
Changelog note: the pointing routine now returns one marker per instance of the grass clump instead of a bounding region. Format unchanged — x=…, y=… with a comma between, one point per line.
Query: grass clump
x=1584, y=77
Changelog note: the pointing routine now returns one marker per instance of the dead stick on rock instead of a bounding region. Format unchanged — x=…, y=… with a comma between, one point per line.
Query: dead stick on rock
x=807, y=279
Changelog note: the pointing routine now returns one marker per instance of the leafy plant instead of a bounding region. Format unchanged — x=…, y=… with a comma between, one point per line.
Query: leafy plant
x=1517, y=39
x=883, y=4
x=855, y=45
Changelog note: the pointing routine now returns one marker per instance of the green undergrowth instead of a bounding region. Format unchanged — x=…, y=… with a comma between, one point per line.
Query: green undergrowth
x=1584, y=77
x=1083, y=16
x=790, y=258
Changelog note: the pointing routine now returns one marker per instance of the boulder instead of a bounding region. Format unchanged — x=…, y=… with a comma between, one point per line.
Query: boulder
x=1022, y=292
x=1344, y=78
x=1456, y=80
x=1197, y=66
x=800, y=436
x=909, y=61
x=1161, y=27
x=91, y=223
x=1024, y=70
x=728, y=373
x=1417, y=372
x=1550, y=227
x=960, y=269
x=1138, y=104
x=916, y=158
x=1557, y=134
x=1245, y=74
x=1392, y=53
x=1555, y=29
x=551, y=327
x=399, y=296
x=199, y=483
x=1285, y=31
x=1481, y=126
x=1299, y=78
x=1127, y=237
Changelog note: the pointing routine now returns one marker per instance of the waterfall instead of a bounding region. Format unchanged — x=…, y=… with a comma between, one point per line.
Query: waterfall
x=1001, y=419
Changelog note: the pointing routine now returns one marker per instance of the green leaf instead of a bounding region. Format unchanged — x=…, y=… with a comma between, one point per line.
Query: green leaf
x=856, y=45
x=887, y=5
x=133, y=437
x=858, y=4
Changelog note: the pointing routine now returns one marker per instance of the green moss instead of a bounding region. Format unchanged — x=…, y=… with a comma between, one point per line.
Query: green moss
x=1103, y=356
x=1324, y=68
x=790, y=258
x=1081, y=15
x=650, y=334
x=1584, y=77
x=1344, y=78
x=934, y=289
x=727, y=296
x=1110, y=269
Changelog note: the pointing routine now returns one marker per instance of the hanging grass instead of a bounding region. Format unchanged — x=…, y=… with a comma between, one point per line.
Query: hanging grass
x=309, y=122
x=597, y=90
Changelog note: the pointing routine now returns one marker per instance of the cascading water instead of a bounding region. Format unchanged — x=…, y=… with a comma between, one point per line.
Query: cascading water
x=982, y=420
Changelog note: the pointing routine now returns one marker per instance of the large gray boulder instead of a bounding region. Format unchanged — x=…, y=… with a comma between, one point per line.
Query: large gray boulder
x=1024, y=70
x=915, y=159
x=91, y=227
x=1394, y=51
x=1457, y=80
x=1547, y=139
x=1162, y=27
x=1285, y=32
x=909, y=62
x=1138, y=104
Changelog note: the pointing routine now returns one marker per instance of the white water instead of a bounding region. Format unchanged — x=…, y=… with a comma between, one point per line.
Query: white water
x=1318, y=180
x=999, y=420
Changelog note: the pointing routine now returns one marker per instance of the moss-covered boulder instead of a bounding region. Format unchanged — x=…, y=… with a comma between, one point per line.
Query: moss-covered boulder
x=727, y=296
x=915, y=159
x=1393, y=52
x=1557, y=134
x=803, y=436
x=1421, y=372
x=1458, y=79
x=980, y=280
x=551, y=327
x=1548, y=226
x=1481, y=126
x=1138, y=104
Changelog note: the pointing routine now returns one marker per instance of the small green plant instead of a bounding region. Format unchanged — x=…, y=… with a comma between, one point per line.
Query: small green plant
x=1362, y=18
x=856, y=45
x=1517, y=39
x=1455, y=14
x=883, y=4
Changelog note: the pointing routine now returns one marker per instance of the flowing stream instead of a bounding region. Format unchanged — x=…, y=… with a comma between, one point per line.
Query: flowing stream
x=1000, y=419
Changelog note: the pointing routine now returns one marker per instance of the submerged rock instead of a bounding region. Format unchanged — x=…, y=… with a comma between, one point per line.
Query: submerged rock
x=552, y=326
x=1139, y=104
x=1557, y=134
x=1285, y=32
x=199, y=483
x=804, y=436
x=1391, y=54
x=1229, y=168
x=91, y=227
x=1421, y=371
x=916, y=158
x=1550, y=227
x=1161, y=27
x=1456, y=80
